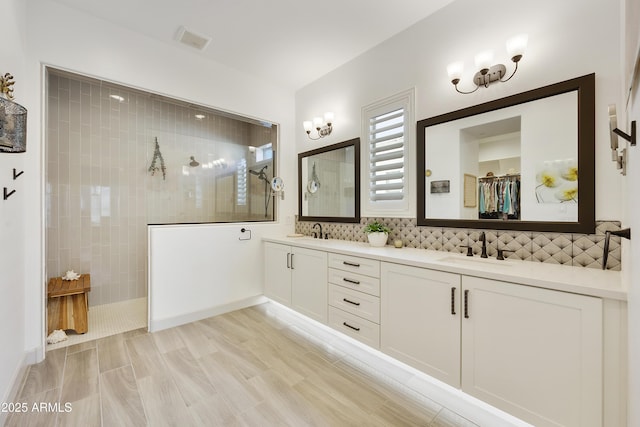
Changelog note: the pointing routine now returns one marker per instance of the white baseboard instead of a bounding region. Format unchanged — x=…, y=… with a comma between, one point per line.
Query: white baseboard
x=169, y=322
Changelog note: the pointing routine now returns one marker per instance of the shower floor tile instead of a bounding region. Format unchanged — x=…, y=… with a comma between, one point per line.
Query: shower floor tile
x=109, y=319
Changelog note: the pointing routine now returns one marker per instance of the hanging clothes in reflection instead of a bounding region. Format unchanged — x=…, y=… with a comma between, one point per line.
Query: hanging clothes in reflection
x=499, y=197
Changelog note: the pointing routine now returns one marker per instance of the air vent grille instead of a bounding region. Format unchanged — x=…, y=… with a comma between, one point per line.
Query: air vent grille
x=192, y=39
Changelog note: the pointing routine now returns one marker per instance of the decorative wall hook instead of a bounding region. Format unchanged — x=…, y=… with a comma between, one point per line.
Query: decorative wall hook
x=16, y=174
x=7, y=193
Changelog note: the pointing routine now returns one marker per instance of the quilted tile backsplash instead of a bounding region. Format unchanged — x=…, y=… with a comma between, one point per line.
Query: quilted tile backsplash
x=585, y=250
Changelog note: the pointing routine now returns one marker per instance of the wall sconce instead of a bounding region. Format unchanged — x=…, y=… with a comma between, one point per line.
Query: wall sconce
x=13, y=119
x=488, y=71
x=323, y=128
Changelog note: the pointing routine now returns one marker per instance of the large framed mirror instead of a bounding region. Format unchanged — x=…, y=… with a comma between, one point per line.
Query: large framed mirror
x=329, y=183
x=524, y=162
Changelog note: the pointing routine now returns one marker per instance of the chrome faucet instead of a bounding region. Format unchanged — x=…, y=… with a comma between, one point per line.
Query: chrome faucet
x=483, y=239
x=318, y=236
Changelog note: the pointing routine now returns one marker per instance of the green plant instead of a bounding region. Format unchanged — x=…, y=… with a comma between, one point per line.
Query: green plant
x=376, y=227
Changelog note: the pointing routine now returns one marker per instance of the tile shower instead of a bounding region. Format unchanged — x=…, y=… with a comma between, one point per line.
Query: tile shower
x=100, y=196
x=584, y=250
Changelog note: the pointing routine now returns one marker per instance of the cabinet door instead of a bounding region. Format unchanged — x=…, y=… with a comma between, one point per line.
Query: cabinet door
x=309, y=283
x=533, y=352
x=420, y=319
x=277, y=281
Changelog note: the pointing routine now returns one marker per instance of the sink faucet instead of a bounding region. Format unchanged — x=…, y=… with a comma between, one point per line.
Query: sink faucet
x=483, y=239
x=319, y=236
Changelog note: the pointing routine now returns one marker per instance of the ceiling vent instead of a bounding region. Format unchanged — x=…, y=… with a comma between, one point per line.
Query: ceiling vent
x=192, y=39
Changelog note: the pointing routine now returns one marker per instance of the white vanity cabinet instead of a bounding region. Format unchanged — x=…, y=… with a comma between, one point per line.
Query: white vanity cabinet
x=420, y=319
x=297, y=277
x=544, y=343
x=354, y=297
x=535, y=353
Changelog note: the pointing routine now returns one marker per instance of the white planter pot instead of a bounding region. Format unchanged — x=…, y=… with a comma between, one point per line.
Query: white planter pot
x=377, y=239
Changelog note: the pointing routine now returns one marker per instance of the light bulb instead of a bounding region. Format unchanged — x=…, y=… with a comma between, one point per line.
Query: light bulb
x=317, y=122
x=484, y=60
x=455, y=71
x=307, y=125
x=516, y=46
x=328, y=117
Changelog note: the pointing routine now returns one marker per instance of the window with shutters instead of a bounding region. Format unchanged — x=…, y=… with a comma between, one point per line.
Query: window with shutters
x=388, y=130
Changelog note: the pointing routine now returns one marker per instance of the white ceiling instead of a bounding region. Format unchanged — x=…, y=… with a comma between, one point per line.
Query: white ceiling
x=288, y=42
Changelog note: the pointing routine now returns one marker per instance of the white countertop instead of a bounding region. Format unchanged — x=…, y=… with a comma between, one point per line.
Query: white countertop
x=579, y=280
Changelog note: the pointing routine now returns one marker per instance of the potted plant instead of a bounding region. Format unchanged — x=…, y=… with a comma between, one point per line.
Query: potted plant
x=377, y=234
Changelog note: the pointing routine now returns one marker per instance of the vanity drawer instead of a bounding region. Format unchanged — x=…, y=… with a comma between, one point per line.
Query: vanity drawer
x=355, y=302
x=354, y=326
x=359, y=282
x=369, y=267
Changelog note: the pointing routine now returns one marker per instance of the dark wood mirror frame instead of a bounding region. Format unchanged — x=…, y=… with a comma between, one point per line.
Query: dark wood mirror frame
x=356, y=218
x=585, y=87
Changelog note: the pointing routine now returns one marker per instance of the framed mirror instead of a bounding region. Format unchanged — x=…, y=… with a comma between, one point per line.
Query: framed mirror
x=329, y=183
x=524, y=162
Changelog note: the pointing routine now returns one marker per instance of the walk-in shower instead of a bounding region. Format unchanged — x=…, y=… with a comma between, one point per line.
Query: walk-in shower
x=98, y=209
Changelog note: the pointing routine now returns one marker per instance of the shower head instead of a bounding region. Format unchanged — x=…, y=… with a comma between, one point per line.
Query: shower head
x=261, y=173
x=193, y=163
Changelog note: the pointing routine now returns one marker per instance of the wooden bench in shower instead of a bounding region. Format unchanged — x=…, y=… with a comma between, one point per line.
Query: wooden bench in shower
x=68, y=303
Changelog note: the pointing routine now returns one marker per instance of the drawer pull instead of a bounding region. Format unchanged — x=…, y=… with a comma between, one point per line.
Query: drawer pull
x=355, y=282
x=288, y=260
x=350, y=302
x=453, y=301
x=352, y=327
x=351, y=264
x=466, y=304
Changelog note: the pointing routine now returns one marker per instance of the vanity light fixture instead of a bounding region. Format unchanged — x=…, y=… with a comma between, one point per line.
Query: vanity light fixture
x=488, y=71
x=323, y=127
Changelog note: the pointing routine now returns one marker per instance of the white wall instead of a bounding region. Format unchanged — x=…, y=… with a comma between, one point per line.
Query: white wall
x=562, y=45
x=71, y=40
x=631, y=250
x=12, y=229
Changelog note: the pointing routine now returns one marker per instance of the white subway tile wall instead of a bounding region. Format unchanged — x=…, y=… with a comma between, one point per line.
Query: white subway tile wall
x=100, y=195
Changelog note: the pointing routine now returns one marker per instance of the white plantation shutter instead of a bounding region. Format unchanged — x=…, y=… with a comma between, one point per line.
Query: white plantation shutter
x=386, y=156
x=388, y=129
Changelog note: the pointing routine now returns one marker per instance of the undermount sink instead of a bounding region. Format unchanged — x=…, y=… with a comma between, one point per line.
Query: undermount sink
x=471, y=261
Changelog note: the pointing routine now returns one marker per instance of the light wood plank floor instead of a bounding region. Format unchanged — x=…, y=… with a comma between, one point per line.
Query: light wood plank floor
x=245, y=368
